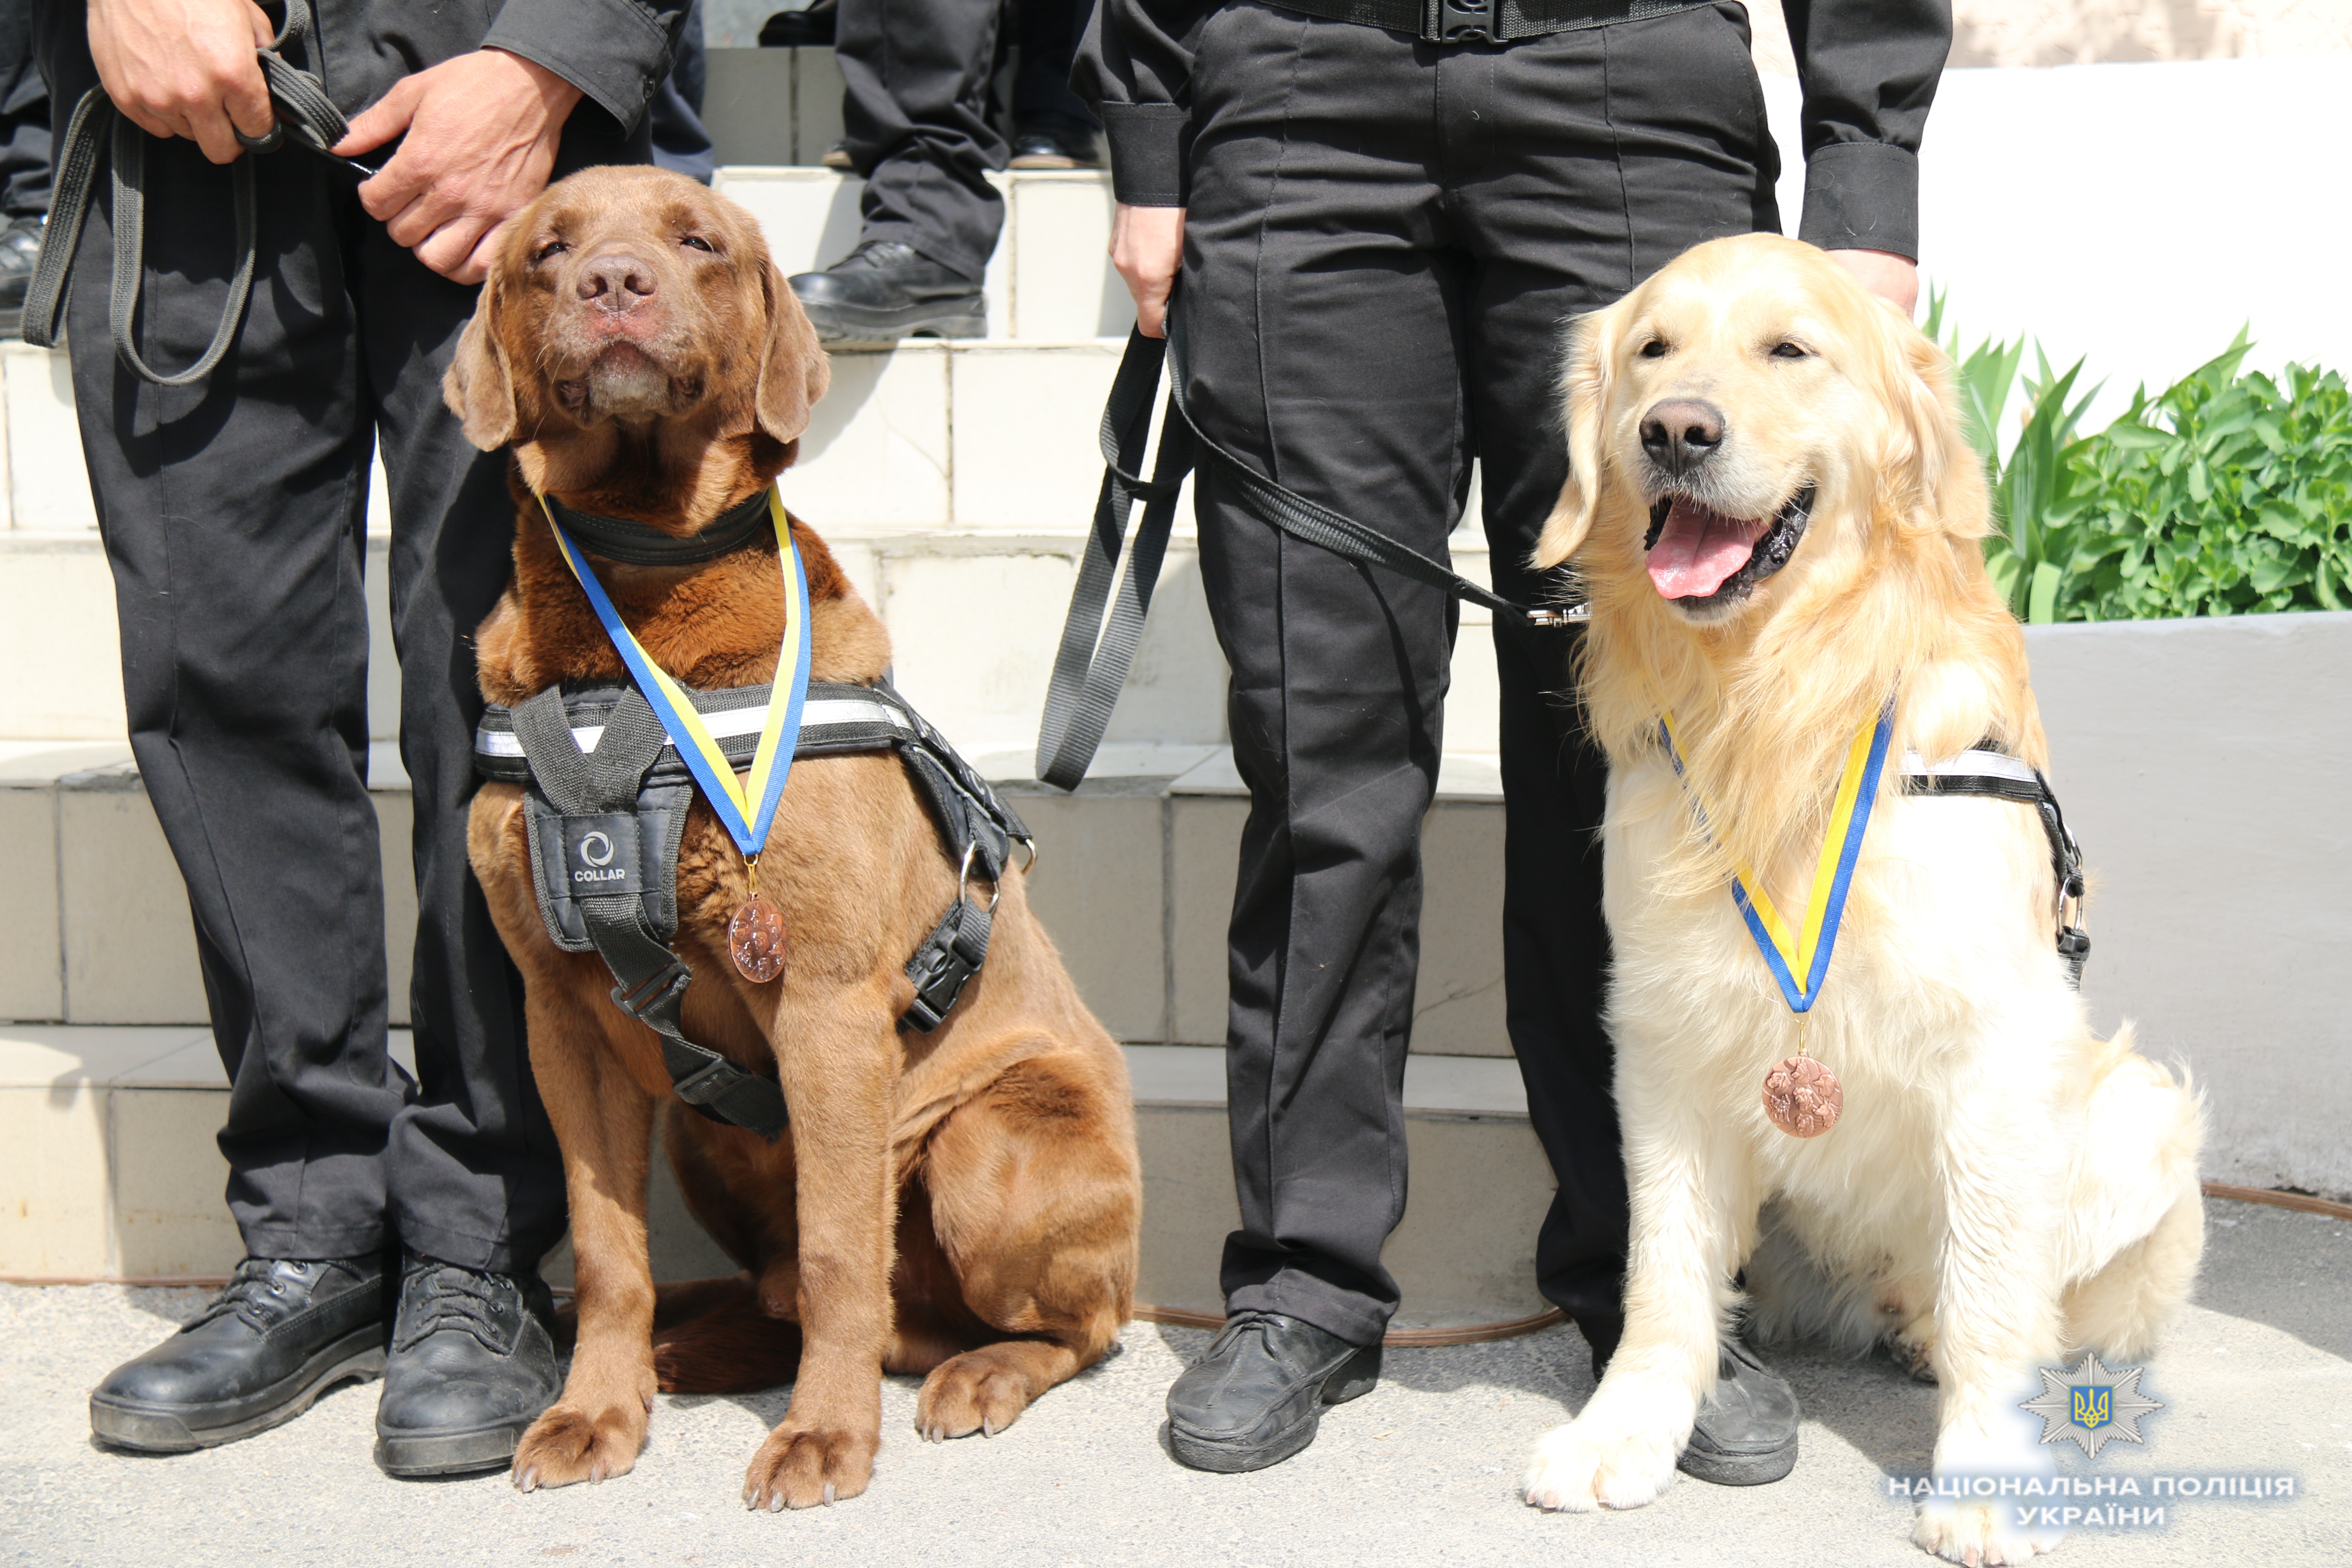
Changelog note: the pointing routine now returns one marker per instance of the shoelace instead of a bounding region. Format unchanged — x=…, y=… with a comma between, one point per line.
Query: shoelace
x=1244, y=1321
x=460, y=1299
x=249, y=1290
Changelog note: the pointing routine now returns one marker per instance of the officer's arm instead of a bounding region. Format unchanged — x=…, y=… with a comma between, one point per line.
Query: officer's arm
x=1869, y=69
x=1135, y=66
x=481, y=132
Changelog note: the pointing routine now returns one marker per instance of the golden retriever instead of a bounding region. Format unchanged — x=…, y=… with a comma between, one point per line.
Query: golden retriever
x=963, y=1204
x=1777, y=524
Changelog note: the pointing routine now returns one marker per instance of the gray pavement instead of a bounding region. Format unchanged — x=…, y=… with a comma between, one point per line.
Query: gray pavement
x=2256, y=1381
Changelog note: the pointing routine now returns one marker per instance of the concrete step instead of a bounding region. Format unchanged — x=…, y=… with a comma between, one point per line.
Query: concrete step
x=1135, y=882
x=106, y=1142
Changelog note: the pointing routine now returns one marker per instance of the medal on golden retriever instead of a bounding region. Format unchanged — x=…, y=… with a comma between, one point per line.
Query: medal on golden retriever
x=1802, y=1097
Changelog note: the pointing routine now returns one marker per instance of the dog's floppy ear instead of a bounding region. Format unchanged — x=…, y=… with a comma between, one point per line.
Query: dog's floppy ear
x=1586, y=388
x=478, y=388
x=793, y=369
x=1933, y=473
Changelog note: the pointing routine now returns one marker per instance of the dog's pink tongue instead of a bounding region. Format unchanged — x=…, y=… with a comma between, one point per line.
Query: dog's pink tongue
x=1698, y=549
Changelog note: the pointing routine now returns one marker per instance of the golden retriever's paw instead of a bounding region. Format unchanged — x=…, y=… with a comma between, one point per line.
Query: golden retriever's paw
x=801, y=1467
x=1983, y=1534
x=1585, y=1466
x=975, y=1392
x=566, y=1445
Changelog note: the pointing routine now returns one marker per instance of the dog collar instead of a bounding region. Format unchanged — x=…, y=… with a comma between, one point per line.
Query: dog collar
x=635, y=544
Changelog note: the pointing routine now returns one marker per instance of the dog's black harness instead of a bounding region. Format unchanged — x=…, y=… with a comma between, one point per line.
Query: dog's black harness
x=605, y=802
x=1984, y=771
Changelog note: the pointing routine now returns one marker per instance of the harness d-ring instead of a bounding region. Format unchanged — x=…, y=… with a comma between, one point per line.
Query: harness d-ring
x=963, y=875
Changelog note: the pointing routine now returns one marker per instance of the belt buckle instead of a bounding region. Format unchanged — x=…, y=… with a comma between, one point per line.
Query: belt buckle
x=1465, y=21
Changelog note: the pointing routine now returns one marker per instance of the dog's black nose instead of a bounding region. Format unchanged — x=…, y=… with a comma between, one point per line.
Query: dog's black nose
x=616, y=281
x=1681, y=433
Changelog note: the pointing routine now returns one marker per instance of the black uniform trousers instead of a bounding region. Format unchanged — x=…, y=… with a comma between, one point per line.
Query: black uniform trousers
x=1384, y=240
x=234, y=514
x=915, y=77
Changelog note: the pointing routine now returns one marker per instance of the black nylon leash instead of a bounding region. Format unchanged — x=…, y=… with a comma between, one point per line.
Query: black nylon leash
x=98, y=131
x=1091, y=665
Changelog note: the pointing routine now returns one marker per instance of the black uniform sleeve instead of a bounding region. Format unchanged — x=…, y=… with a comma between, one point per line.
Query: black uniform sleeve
x=1135, y=68
x=617, y=52
x=1869, y=69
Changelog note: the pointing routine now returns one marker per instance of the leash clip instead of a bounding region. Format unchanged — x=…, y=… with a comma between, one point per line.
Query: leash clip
x=1553, y=620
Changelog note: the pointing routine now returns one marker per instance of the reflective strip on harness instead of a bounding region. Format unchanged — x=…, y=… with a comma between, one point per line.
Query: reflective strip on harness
x=817, y=713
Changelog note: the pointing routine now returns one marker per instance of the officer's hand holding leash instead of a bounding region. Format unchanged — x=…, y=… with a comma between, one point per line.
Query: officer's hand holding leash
x=482, y=131
x=185, y=67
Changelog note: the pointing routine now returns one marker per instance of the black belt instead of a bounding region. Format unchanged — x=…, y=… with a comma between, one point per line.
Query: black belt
x=1485, y=21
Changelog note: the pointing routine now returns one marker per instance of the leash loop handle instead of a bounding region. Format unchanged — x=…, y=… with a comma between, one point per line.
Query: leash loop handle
x=97, y=130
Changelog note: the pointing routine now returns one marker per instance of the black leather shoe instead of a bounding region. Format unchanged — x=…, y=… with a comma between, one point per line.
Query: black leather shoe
x=1255, y=1398
x=279, y=1334
x=1054, y=149
x=885, y=289
x=1747, y=1431
x=472, y=1366
x=20, y=245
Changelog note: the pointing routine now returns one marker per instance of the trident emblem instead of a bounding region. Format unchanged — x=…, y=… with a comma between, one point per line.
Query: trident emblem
x=2090, y=1406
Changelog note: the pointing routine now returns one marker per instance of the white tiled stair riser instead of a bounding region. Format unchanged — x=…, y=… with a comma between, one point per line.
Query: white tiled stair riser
x=106, y=1140
x=1050, y=278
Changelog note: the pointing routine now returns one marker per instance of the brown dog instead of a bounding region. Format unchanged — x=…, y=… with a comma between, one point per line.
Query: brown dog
x=963, y=1203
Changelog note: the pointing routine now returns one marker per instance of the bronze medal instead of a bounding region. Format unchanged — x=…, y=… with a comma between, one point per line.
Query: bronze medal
x=1802, y=1097
x=755, y=940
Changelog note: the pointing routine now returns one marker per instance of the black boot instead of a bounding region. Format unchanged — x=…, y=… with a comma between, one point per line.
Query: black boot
x=472, y=1366
x=1747, y=1431
x=20, y=245
x=885, y=289
x=278, y=1334
x=1255, y=1398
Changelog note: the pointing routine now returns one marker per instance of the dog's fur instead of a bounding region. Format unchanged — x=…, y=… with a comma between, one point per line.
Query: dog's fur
x=965, y=1203
x=2004, y=1188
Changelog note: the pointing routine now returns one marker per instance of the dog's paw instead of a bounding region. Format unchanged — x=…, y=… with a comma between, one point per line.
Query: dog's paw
x=567, y=1445
x=1591, y=1464
x=975, y=1392
x=801, y=1467
x=1982, y=1534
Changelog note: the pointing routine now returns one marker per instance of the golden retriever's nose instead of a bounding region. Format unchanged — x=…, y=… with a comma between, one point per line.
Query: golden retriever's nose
x=1681, y=433
x=616, y=281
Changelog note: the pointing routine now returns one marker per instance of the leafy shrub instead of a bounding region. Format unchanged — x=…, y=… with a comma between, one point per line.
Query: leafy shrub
x=2224, y=494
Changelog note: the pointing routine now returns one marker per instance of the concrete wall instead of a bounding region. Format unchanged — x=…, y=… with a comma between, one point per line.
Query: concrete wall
x=2203, y=765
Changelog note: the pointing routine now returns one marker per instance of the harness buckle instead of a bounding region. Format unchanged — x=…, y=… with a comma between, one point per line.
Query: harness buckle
x=706, y=1083
x=1464, y=22
x=661, y=987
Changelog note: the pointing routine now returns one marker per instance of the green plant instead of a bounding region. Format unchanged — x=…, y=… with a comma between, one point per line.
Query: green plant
x=2224, y=494
x=2227, y=494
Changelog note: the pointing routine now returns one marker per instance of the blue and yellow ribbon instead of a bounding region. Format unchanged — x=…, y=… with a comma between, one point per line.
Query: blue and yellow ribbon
x=747, y=812
x=1807, y=951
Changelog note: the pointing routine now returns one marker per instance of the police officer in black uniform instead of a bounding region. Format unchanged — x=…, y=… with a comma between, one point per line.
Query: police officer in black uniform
x=233, y=510
x=1384, y=211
